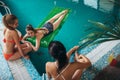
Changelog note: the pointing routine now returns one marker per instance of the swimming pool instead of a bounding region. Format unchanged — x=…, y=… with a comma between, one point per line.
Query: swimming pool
x=75, y=28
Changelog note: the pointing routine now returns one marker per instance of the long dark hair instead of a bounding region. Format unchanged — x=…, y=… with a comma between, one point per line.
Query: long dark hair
x=30, y=27
x=58, y=51
x=9, y=19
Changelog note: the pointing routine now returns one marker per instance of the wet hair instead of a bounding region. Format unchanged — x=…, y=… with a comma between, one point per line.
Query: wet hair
x=58, y=52
x=108, y=73
x=29, y=27
x=9, y=19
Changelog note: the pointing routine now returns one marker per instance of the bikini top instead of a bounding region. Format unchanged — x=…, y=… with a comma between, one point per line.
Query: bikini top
x=60, y=74
x=11, y=41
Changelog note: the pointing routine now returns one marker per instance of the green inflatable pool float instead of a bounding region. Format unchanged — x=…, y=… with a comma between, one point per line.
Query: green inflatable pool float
x=47, y=39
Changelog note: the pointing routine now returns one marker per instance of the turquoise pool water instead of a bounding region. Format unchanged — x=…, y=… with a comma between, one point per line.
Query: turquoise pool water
x=75, y=28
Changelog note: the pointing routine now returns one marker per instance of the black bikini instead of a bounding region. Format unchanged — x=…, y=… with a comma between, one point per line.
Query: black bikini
x=49, y=26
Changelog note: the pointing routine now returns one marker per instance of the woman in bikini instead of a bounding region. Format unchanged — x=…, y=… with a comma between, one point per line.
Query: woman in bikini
x=47, y=28
x=12, y=48
x=61, y=69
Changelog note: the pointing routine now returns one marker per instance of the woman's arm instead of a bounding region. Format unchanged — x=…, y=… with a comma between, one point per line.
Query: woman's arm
x=38, y=39
x=36, y=47
x=71, y=51
x=83, y=61
x=16, y=39
x=24, y=37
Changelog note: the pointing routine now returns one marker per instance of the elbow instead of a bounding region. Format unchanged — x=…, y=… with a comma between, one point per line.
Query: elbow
x=89, y=63
x=36, y=49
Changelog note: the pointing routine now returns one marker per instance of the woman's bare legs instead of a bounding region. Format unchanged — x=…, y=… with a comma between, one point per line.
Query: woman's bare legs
x=26, y=49
x=57, y=19
x=52, y=20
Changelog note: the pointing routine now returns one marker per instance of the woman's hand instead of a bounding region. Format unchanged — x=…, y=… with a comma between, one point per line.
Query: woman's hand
x=83, y=61
x=72, y=51
x=74, y=48
x=79, y=58
x=24, y=38
x=64, y=12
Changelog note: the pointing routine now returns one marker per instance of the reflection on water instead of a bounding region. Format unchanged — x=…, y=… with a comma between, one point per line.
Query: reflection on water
x=107, y=6
x=76, y=1
x=102, y=5
x=92, y=3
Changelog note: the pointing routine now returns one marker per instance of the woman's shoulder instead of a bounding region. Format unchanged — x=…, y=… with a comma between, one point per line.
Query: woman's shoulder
x=39, y=34
x=50, y=66
x=49, y=63
x=13, y=31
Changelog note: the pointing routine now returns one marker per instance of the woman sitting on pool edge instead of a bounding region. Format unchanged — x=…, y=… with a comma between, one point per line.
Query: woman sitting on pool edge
x=12, y=49
x=61, y=69
x=47, y=28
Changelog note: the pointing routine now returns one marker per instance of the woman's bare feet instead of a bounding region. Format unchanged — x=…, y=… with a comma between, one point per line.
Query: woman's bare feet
x=64, y=11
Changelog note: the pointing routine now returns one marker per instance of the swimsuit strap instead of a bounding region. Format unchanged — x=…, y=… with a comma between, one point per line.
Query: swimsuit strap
x=65, y=68
x=63, y=77
x=11, y=41
x=61, y=71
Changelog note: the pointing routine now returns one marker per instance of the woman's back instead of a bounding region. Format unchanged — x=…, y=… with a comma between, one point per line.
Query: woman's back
x=62, y=69
x=67, y=73
x=9, y=43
